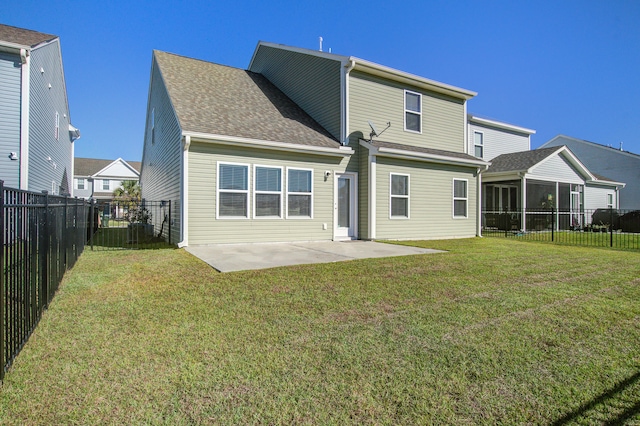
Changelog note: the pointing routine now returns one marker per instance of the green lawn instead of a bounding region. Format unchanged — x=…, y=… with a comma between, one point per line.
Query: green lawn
x=494, y=331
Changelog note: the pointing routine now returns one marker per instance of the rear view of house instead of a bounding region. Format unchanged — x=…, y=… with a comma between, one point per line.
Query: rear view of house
x=35, y=128
x=307, y=145
x=97, y=179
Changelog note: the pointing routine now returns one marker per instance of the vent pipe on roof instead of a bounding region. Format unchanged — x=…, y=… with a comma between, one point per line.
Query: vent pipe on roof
x=620, y=146
x=320, y=38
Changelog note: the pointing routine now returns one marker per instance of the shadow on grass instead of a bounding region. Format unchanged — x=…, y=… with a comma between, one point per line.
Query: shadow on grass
x=616, y=406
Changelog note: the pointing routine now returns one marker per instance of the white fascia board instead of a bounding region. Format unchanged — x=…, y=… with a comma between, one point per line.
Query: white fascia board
x=8, y=47
x=610, y=183
x=422, y=156
x=500, y=177
x=342, y=151
x=500, y=125
x=411, y=79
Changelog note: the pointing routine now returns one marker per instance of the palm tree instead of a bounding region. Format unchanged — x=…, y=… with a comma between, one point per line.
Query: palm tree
x=128, y=191
x=129, y=197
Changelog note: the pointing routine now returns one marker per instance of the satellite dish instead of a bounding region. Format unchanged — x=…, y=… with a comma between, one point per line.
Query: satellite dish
x=374, y=131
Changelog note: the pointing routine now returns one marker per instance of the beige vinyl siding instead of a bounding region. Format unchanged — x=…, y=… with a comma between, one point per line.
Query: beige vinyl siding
x=160, y=177
x=381, y=101
x=310, y=81
x=557, y=169
x=204, y=228
x=497, y=141
x=430, y=201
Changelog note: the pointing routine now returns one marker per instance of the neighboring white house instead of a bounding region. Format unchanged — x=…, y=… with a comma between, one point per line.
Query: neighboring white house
x=97, y=179
x=524, y=180
x=622, y=166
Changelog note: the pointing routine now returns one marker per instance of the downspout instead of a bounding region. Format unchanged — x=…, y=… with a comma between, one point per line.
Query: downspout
x=479, y=202
x=345, y=104
x=466, y=130
x=24, y=118
x=184, y=200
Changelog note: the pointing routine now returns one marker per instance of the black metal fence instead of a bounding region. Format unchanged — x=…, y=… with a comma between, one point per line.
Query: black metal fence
x=117, y=224
x=42, y=237
x=599, y=227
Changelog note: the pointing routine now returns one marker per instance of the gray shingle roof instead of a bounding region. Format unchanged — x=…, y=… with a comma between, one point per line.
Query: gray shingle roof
x=221, y=100
x=91, y=166
x=23, y=36
x=438, y=152
x=520, y=161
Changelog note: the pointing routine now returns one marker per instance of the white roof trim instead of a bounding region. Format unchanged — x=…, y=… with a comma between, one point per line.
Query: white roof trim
x=422, y=156
x=111, y=164
x=262, y=144
x=500, y=124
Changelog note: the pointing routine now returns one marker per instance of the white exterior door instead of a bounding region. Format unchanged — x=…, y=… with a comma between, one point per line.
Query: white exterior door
x=345, y=214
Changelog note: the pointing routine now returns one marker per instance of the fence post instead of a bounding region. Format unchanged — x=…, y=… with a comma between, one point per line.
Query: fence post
x=611, y=227
x=2, y=300
x=91, y=212
x=169, y=222
x=553, y=223
x=45, y=252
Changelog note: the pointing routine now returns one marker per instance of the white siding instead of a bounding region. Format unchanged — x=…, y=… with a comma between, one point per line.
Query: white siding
x=596, y=197
x=497, y=141
x=556, y=169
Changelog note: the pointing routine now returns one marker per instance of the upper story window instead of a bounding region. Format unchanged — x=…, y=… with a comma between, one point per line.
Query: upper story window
x=299, y=193
x=399, y=196
x=233, y=190
x=478, y=144
x=106, y=185
x=460, y=199
x=80, y=183
x=56, y=130
x=412, y=111
x=153, y=126
x=267, y=192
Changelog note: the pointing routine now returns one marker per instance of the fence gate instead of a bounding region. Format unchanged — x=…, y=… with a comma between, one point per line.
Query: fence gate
x=117, y=225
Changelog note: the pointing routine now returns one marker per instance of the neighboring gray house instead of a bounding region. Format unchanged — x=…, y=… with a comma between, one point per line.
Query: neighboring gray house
x=97, y=179
x=36, y=135
x=307, y=145
x=622, y=166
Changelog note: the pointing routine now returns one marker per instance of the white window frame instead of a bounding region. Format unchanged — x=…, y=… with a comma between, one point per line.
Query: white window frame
x=108, y=181
x=84, y=183
x=419, y=113
x=476, y=145
x=56, y=130
x=465, y=199
x=298, y=193
x=235, y=191
x=610, y=203
x=392, y=196
x=256, y=192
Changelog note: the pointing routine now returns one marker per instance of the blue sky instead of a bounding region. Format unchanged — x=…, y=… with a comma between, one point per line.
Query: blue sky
x=559, y=67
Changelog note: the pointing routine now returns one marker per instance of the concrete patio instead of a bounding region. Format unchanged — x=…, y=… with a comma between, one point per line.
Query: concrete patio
x=240, y=257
